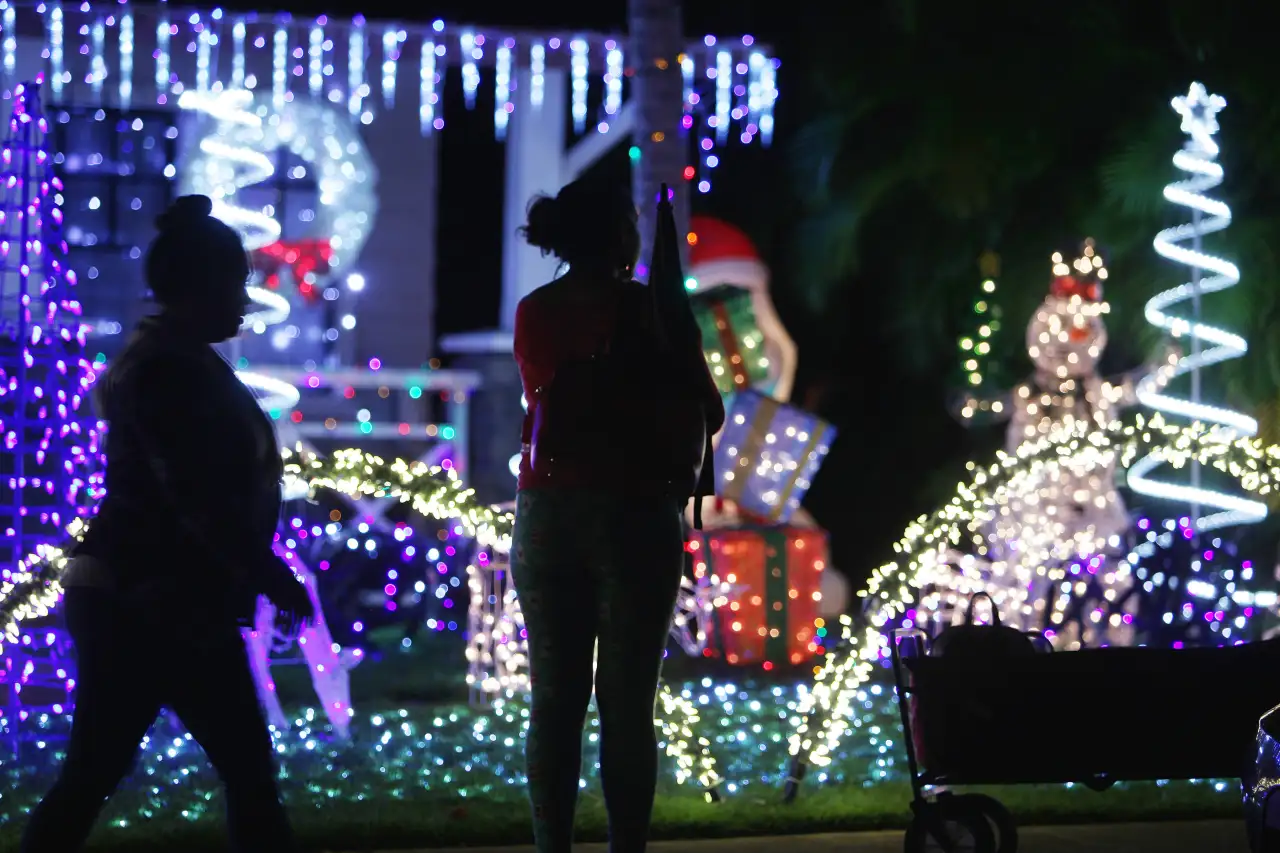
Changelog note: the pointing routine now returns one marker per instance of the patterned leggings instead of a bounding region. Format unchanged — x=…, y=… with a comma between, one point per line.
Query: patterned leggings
x=592, y=569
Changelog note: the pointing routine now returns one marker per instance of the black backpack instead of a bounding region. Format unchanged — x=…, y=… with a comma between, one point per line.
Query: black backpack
x=974, y=640
x=628, y=406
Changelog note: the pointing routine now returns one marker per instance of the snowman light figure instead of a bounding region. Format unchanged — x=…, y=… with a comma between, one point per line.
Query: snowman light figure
x=1052, y=553
x=1065, y=339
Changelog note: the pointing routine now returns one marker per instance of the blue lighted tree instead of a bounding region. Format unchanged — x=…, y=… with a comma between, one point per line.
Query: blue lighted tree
x=50, y=471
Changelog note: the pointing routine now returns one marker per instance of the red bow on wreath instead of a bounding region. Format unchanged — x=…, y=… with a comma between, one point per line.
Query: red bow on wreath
x=1067, y=286
x=307, y=260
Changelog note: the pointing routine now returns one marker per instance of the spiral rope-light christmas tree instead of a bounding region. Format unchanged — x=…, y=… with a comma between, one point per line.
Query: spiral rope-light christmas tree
x=224, y=163
x=1209, y=344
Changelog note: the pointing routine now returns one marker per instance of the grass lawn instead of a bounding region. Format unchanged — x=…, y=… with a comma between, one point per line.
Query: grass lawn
x=423, y=769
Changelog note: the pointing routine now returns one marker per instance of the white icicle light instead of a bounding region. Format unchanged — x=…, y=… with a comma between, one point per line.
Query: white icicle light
x=188, y=53
x=315, y=60
x=686, y=76
x=470, y=74
x=355, y=69
x=98, y=66
x=126, y=61
x=57, y=40
x=1199, y=112
x=163, y=34
x=724, y=93
x=769, y=94
x=279, y=67
x=613, y=79
x=390, y=56
x=502, y=91
x=537, y=74
x=10, y=40
x=578, y=65
x=427, y=88
x=237, y=54
x=755, y=88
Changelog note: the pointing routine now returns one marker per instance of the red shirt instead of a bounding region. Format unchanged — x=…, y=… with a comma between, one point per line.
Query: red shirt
x=570, y=319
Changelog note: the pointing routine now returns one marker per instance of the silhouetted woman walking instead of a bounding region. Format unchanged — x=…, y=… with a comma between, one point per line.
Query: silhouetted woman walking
x=179, y=551
x=599, y=543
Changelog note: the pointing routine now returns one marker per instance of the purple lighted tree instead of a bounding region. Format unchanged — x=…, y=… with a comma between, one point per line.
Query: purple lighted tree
x=50, y=471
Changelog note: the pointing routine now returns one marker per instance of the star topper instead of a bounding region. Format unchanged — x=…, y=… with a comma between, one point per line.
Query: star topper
x=1199, y=111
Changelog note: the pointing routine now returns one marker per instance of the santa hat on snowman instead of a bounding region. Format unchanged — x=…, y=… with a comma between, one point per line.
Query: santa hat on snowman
x=721, y=255
x=1081, y=278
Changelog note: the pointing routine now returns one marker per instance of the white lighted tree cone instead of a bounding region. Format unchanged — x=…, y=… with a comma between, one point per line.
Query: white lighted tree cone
x=1054, y=547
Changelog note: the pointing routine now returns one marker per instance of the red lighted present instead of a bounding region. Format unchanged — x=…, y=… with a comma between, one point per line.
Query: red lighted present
x=774, y=574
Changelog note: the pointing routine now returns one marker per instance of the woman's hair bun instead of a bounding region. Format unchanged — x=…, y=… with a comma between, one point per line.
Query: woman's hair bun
x=544, y=227
x=588, y=222
x=185, y=211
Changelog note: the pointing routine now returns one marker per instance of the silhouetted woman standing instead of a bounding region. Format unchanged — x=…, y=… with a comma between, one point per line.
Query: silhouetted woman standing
x=179, y=551
x=599, y=543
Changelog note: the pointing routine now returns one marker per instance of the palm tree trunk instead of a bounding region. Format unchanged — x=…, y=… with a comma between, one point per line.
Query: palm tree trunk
x=657, y=90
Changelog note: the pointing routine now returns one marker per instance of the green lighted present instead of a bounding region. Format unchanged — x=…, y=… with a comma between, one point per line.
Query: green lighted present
x=731, y=339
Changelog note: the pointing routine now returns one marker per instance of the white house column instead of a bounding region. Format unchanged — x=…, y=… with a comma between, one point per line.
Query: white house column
x=534, y=153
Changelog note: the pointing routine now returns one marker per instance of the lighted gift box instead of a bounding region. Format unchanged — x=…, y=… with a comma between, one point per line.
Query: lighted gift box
x=731, y=338
x=770, y=611
x=768, y=454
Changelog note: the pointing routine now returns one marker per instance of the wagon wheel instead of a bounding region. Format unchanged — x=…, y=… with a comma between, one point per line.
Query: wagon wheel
x=1002, y=824
x=949, y=824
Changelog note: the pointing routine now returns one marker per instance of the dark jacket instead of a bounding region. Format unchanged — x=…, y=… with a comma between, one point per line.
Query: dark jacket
x=193, y=476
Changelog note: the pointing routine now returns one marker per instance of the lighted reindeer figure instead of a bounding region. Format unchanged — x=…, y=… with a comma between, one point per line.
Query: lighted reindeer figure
x=328, y=669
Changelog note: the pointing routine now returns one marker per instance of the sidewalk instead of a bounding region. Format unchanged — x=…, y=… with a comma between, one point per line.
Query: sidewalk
x=1198, y=837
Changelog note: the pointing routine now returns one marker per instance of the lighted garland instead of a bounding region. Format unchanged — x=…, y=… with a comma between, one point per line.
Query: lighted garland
x=923, y=546
x=430, y=491
x=33, y=590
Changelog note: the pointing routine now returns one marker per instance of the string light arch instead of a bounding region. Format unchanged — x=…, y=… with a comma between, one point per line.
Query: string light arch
x=824, y=714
